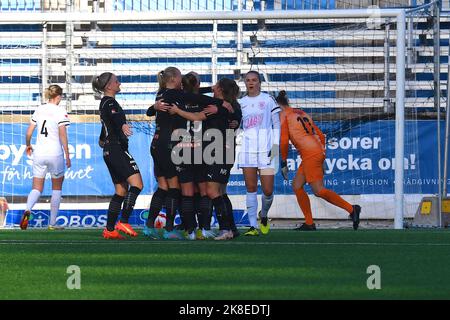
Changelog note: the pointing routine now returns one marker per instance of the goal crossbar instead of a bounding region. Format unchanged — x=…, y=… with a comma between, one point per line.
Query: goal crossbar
x=398, y=14
x=37, y=17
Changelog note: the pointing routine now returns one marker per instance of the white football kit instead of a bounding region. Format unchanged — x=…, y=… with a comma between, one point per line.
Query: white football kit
x=48, y=154
x=258, y=132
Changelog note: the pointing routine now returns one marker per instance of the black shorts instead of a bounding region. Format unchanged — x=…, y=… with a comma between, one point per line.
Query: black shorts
x=219, y=173
x=190, y=173
x=120, y=163
x=162, y=162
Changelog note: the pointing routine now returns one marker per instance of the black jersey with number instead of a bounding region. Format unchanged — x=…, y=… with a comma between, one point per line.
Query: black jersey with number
x=195, y=128
x=113, y=118
x=189, y=132
x=166, y=123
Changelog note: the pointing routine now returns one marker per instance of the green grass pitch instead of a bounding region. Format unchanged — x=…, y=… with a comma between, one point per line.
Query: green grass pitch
x=285, y=265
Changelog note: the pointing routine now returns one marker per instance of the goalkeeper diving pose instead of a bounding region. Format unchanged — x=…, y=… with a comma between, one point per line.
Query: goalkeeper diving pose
x=307, y=138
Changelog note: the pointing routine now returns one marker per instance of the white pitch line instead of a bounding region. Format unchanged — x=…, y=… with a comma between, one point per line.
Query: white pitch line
x=168, y=242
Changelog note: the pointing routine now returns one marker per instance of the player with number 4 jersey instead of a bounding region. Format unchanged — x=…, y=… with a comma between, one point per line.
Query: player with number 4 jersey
x=51, y=121
x=48, y=119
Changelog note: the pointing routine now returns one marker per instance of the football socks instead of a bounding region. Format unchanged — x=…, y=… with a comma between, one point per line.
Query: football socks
x=156, y=205
x=205, y=213
x=305, y=205
x=54, y=206
x=230, y=212
x=221, y=213
x=334, y=198
x=33, y=197
x=252, y=208
x=172, y=204
x=266, y=202
x=115, y=205
x=187, y=212
x=128, y=204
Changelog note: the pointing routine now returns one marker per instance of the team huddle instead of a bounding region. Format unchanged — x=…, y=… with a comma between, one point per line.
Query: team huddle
x=193, y=151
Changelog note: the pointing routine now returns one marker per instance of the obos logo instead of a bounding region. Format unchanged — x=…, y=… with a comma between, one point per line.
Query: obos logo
x=88, y=220
x=38, y=219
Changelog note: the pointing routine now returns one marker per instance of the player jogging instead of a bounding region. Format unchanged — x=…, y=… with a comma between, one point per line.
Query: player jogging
x=48, y=153
x=259, y=150
x=122, y=167
x=298, y=126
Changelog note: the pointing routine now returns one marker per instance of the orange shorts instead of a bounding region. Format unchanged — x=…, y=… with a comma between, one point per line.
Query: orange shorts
x=312, y=168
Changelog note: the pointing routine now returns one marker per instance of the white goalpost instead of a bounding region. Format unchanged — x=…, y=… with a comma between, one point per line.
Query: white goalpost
x=96, y=41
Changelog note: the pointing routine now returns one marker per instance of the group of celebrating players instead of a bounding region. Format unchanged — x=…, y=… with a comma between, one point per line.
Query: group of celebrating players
x=193, y=150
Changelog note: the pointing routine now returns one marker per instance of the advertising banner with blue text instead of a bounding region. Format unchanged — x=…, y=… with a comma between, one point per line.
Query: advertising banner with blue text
x=360, y=159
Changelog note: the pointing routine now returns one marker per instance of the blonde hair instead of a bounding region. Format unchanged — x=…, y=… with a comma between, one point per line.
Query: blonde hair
x=166, y=75
x=52, y=92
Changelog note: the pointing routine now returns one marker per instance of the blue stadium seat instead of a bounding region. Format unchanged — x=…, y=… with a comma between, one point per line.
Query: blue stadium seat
x=286, y=68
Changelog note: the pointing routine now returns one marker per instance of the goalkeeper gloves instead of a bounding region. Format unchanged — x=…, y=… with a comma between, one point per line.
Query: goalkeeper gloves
x=284, y=170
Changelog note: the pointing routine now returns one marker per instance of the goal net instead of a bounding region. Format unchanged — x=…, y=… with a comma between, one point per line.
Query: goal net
x=341, y=70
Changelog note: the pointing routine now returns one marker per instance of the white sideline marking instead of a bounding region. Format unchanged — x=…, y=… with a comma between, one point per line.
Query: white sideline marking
x=185, y=242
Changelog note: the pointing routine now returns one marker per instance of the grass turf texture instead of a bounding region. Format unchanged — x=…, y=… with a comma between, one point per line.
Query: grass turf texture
x=285, y=264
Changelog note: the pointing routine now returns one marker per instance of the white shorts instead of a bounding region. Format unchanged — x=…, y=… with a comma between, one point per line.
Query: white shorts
x=53, y=165
x=259, y=160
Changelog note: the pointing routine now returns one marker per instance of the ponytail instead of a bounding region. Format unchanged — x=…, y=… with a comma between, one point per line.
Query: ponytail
x=166, y=75
x=53, y=91
x=99, y=83
x=282, y=98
